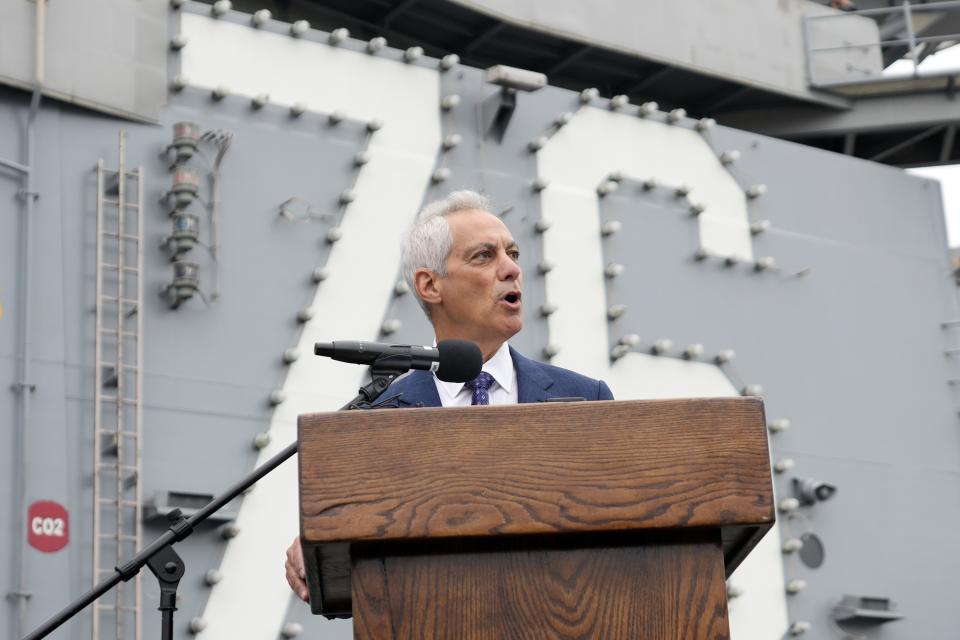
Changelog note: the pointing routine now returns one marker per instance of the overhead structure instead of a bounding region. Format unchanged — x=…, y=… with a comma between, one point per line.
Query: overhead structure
x=797, y=70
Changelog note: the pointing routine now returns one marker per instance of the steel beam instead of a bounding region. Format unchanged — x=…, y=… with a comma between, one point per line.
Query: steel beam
x=566, y=61
x=396, y=12
x=946, y=150
x=849, y=144
x=908, y=111
x=483, y=37
x=736, y=94
x=909, y=142
x=651, y=79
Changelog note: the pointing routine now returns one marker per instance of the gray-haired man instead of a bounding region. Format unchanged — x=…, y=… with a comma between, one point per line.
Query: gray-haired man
x=464, y=266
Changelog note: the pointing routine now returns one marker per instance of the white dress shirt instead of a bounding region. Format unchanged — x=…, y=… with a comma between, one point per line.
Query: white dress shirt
x=502, y=391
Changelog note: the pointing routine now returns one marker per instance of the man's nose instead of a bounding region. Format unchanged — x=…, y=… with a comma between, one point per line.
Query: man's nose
x=509, y=268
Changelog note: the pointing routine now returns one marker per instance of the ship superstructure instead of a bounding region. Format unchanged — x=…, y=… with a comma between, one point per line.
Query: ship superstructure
x=199, y=192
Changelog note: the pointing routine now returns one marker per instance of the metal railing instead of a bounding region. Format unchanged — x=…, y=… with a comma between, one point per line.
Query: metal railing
x=888, y=44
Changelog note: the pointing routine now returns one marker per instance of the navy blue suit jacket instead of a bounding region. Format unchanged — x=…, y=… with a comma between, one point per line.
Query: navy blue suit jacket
x=536, y=382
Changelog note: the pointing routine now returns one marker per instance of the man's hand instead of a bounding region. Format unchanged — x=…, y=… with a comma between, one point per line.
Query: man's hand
x=296, y=575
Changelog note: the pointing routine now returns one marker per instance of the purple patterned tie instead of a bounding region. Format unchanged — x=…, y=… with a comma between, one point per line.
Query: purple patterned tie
x=481, y=388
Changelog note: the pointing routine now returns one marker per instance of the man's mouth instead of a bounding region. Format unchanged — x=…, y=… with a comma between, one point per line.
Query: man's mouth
x=513, y=297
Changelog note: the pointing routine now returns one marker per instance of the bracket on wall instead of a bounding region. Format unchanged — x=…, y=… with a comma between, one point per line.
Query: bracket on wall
x=496, y=112
x=159, y=508
x=865, y=610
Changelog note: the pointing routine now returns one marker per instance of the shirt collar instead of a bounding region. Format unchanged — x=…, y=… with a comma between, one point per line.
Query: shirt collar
x=500, y=366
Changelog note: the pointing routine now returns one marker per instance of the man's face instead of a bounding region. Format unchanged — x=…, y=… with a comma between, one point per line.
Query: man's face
x=480, y=297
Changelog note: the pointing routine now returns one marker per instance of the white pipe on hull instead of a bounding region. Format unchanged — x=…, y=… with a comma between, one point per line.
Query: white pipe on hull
x=40, y=65
x=24, y=387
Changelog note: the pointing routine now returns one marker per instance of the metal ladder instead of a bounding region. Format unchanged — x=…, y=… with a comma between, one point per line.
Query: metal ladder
x=117, y=509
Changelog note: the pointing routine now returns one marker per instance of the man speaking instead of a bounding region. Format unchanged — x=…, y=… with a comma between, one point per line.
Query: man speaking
x=464, y=267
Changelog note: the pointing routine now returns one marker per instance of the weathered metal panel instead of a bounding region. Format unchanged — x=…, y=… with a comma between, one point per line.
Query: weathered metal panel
x=758, y=42
x=108, y=55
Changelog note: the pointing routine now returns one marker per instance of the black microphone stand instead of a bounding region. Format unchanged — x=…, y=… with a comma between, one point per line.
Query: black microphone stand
x=159, y=555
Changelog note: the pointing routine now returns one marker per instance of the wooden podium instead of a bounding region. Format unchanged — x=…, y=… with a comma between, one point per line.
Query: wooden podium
x=559, y=520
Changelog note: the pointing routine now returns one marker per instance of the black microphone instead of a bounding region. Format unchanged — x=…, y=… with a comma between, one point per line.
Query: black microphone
x=452, y=360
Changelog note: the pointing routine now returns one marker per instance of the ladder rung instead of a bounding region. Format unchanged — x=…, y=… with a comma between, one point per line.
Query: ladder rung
x=110, y=364
x=122, y=503
x=123, y=610
x=101, y=606
x=110, y=265
x=109, y=498
x=128, y=401
x=114, y=299
x=130, y=174
x=113, y=332
x=110, y=467
x=123, y=467
x=122, y=236
x=129, y=504
x=114, y=201
x=114, y=536
x=110, y=451
x=126, y=504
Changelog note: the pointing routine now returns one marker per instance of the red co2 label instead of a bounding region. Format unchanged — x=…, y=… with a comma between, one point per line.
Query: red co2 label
x=48, y=526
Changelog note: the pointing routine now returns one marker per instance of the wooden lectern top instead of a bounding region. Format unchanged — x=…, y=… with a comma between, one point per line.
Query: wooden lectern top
x=555, y=469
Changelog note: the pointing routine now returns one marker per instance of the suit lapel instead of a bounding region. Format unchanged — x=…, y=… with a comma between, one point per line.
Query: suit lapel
x=532, y=382
x=419, y=389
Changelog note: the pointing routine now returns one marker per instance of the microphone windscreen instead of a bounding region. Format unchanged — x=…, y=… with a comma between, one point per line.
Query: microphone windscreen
x=460, y=361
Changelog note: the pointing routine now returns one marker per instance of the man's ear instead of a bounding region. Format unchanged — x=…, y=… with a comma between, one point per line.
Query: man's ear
x=427, y=285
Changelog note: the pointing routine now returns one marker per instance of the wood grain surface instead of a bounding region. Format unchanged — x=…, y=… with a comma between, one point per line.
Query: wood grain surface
x=528, y=470
x=655, y=592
